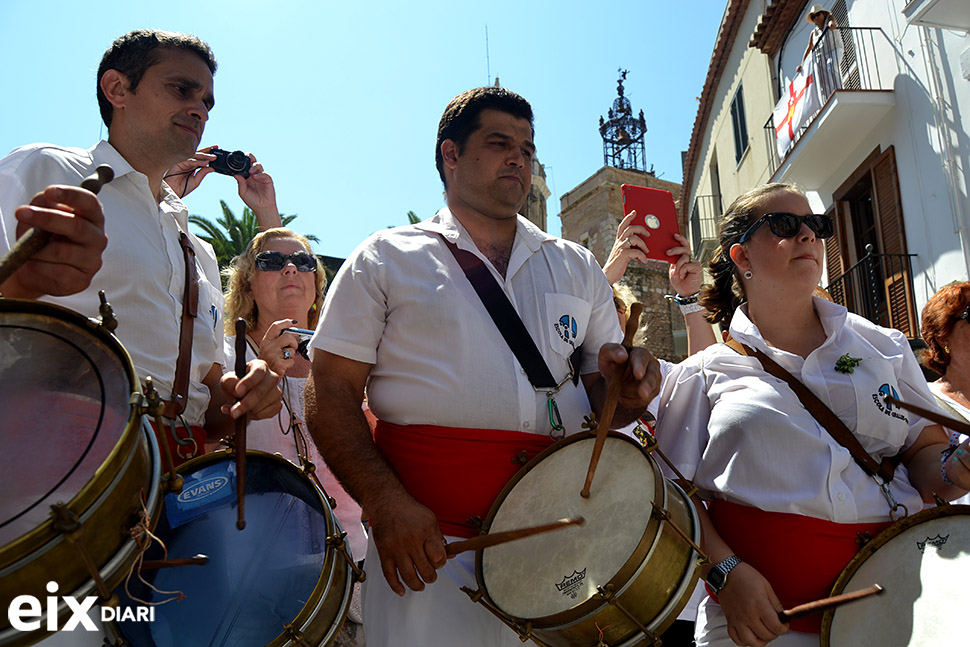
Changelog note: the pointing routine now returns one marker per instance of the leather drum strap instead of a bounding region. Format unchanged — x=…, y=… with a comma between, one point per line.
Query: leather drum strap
x=190, y=305
x=825, y=416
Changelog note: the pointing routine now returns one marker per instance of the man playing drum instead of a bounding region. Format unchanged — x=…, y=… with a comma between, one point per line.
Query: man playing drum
x=455, y=405
x=155, y=91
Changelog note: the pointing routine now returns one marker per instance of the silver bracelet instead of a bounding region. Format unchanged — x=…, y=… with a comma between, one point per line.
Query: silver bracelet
x=954, y=443
x=691, y=308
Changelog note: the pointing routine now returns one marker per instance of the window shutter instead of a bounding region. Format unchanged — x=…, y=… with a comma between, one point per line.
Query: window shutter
x=885, y=188
x=834, y=266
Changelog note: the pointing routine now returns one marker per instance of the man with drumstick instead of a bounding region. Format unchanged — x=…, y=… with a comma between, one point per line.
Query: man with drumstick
x=455, y=404
x=155, y=91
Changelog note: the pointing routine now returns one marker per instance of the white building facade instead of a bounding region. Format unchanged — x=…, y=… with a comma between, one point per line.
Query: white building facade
x=887, y=152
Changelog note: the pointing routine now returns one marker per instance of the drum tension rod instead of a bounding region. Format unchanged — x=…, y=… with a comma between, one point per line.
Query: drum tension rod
x=339, y=543
x=69, y=524
x=152, y=405
x=608, y=594
x=651, y=445
x=295, y=635
x=310, y=469
x=525, y=633
x=663, y=515
x=108, y=319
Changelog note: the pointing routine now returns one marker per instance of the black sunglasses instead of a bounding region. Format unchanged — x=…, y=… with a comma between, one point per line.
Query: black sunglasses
x=966, y=315
x=786, y=225
x=273, y=261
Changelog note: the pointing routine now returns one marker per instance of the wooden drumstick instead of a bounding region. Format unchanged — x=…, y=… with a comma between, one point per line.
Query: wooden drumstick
x=611, y=400
x=935, y=416
x=819, y=606
x=155, y=564
x=495, y=538
x=239, y=442
x=35, y=239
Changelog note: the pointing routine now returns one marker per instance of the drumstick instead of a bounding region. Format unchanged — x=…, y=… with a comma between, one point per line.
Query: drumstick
x=154, y=564
x=818, y=606
x=35, y=239
x=239, y=444
x=495, y=538
x=939, y=418
x=612, y=398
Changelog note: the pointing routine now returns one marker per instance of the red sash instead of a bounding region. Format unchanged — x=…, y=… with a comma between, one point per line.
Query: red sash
x=456, y=472
x=181, y=453
x=801, y=557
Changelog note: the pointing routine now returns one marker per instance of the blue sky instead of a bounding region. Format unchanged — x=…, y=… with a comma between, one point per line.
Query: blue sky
x=341, y=101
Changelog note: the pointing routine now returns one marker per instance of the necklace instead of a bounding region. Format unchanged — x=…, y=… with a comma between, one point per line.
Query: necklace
x=295, y=424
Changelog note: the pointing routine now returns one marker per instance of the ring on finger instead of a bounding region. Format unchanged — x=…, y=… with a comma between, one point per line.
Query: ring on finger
x=629, y=241
x=287, y=353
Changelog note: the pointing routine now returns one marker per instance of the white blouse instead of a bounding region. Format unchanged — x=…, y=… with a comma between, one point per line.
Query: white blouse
x=742, y=435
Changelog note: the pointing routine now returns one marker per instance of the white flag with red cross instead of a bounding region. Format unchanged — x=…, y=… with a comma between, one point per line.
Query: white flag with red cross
x=796, y=107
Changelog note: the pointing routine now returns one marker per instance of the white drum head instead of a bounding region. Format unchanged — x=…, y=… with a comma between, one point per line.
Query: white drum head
x=924, y=569
x=551, y=573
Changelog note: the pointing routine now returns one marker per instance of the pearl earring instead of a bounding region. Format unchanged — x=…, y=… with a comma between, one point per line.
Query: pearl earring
x=748, y=274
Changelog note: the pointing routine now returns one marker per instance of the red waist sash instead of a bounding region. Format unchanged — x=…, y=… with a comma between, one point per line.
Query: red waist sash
x=193, y=437
x=801, y=557
x=456, y=472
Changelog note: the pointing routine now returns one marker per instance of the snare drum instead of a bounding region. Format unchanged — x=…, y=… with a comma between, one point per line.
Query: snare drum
x=567, y=587
x=277, y=582
x=923, y=562
x=68, y=433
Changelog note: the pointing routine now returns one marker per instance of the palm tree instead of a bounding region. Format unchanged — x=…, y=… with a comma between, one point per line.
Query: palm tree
x=230, y=235
x=413, y=218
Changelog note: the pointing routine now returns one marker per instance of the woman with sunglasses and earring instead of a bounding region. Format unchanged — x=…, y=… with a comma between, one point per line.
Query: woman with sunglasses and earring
x=946, y=331
x=785, y=499
x=275, y=285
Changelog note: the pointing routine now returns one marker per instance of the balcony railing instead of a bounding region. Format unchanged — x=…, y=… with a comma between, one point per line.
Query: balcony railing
x=703, y=220
x=880, y=288
x=865, y=61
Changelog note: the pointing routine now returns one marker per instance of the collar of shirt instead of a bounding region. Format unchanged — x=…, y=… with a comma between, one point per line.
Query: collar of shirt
x=104, y=153
x=528, y=237
x=832, y=316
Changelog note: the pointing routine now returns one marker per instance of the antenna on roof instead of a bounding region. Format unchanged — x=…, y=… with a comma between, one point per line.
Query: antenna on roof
x=488, y=67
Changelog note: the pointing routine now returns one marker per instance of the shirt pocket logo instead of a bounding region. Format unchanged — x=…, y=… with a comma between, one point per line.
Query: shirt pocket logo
x=567, y=318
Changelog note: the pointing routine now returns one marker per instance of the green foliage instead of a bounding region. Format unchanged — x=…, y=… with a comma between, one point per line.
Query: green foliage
x=230, y=235
x=413, y=218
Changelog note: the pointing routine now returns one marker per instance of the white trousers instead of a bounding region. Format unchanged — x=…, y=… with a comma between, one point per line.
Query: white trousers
x=440, y=616
x=711, y=630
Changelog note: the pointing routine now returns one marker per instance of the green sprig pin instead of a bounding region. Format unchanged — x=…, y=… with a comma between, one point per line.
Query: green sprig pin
x=847, y=364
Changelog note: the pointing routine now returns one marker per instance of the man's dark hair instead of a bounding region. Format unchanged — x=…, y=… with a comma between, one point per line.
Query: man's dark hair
x=137, y=51
x=462, y=117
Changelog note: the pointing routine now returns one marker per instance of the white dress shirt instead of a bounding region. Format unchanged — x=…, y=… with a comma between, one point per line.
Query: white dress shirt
x=402, y=303
x=142, y=270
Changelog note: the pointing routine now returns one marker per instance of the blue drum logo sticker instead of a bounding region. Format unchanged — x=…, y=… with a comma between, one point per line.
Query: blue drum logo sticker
x=886, y=408
x=567, y=329
x=571, y=584
x=203, y=489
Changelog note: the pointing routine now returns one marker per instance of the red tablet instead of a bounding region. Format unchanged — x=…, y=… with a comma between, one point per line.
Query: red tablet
x=655, y=212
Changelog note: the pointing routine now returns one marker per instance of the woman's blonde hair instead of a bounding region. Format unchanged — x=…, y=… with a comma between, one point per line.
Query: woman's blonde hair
x=239, y=274
x=722, y=297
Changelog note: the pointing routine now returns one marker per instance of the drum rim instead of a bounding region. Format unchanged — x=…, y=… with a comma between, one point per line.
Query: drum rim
x=624, y=575
x=315, y=601
x=103, y=476
x=123, y=558
x=877, y=542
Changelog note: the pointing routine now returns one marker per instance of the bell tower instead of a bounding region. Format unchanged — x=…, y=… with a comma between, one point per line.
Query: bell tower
x=622, y=133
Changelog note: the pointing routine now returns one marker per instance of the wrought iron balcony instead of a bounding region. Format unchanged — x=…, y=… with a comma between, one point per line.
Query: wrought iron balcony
x=855, y=82
x=704, y=217
x=880, y=288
